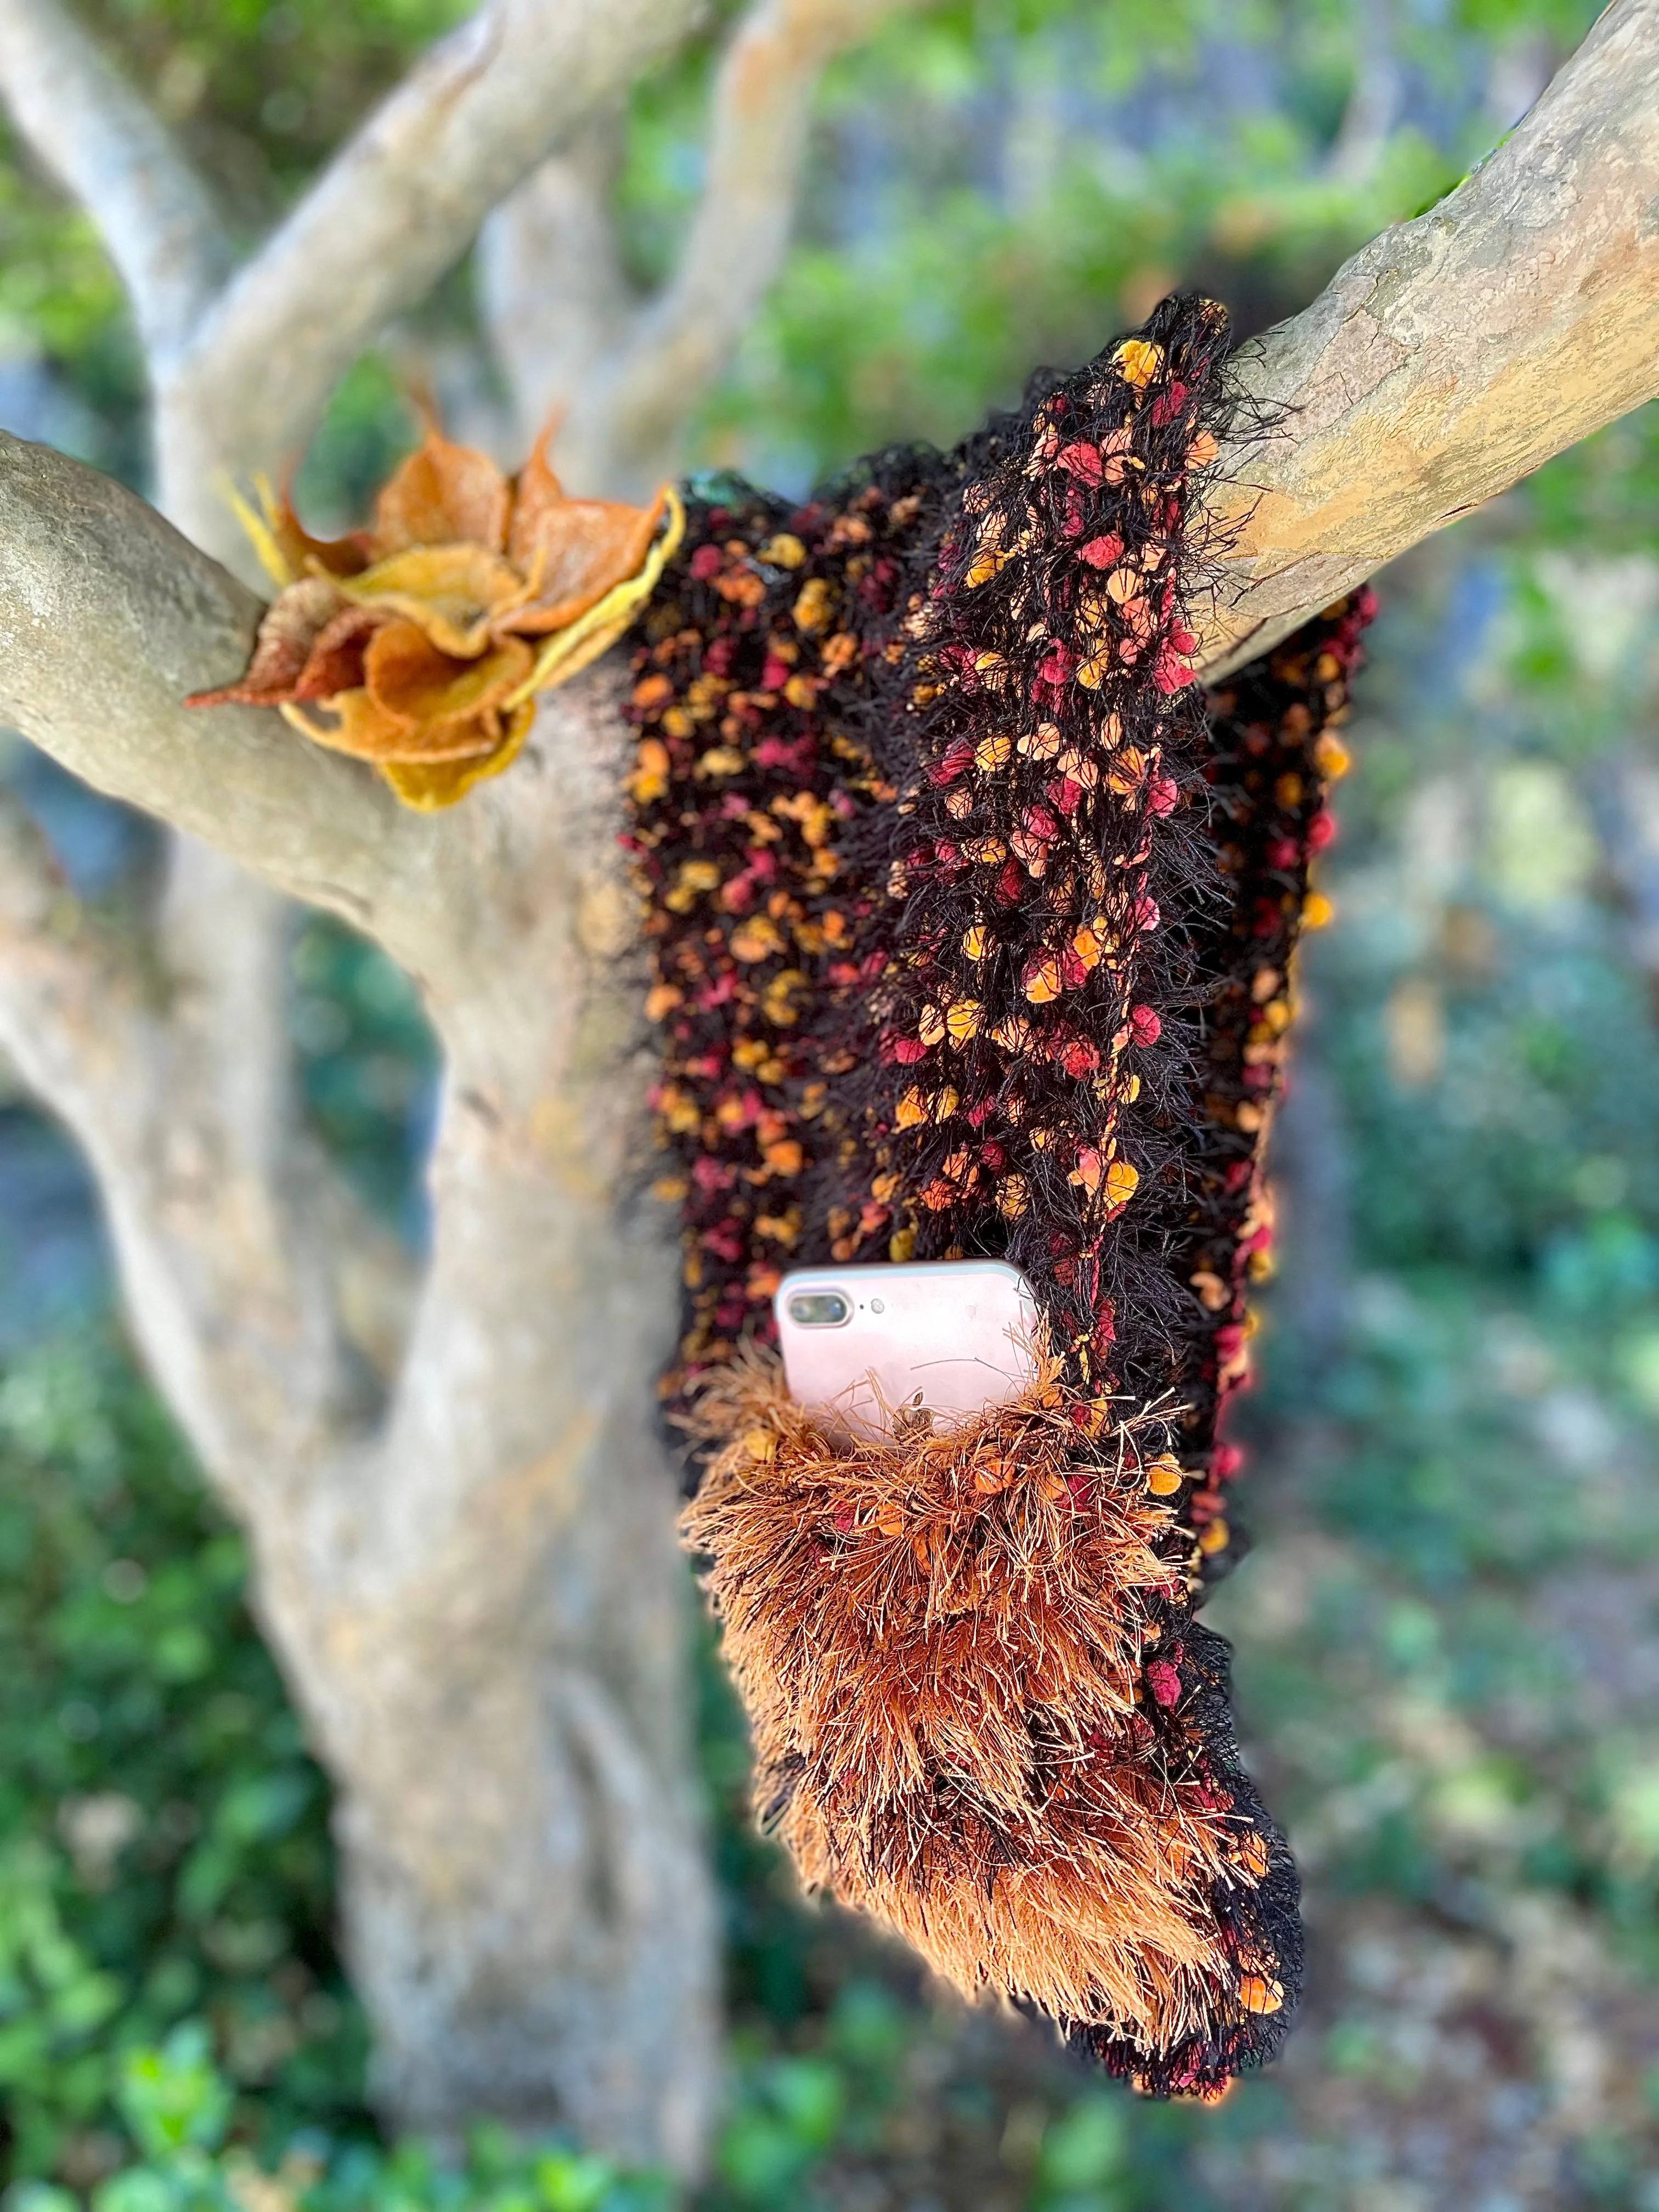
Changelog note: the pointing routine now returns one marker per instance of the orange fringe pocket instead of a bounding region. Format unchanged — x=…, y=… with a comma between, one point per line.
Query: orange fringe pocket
x=960, y=1650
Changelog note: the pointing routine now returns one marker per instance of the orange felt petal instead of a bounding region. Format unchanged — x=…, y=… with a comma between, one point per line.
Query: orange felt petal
x=289, y=633
x=534, y=490
x=441, y=783
x=335, y=661
x=306, y=555
x=441, y=494
x=451, y=593
x=410, y=681
x=353, y=724
x=581, y=548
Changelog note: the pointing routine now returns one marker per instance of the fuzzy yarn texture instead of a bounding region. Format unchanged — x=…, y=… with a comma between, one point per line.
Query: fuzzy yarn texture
x=971, y=917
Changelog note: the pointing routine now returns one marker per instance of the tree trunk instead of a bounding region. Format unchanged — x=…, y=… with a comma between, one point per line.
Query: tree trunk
x=473, y=1589
x=490, y=1632
x=500, y=1690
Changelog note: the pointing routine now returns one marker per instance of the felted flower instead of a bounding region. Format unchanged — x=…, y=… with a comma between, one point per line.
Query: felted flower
x=420, y=643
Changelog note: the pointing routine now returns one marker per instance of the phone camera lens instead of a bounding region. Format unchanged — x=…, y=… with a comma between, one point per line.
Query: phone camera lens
x=819, y=1310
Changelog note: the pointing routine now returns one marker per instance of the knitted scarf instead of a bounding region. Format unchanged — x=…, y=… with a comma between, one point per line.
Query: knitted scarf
x=971, y=919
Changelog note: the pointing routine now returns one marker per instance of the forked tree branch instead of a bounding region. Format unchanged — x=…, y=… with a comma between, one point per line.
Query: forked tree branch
x=740, y=232
x=400, y=204
x=1457, y=353
x=557, y=300
x=101, y=141
x=635, y=394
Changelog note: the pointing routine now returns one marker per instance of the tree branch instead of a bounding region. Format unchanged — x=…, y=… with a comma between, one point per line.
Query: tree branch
x=555, y=299
x=222, y=939
x=397, y=206
x=250, y=1265
x=101, y=141
x=1457, y=353
x=740, y=232
x=58, y=958
x=626, y=414
x=108, y=618
x=229, y=1291
x=1374, y=103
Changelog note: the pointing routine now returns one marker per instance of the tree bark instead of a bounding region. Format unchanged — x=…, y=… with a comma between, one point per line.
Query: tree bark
x=1454, y=354
x=495, y=1659
x=474, y=1589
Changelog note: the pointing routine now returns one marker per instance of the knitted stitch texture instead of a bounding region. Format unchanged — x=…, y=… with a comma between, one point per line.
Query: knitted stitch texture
x=971, y=919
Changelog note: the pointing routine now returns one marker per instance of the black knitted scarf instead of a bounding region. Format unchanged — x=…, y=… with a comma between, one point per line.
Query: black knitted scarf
x=972, y=917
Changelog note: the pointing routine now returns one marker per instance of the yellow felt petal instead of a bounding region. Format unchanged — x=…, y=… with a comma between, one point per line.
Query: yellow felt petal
x=428, y=789
x=451, y=593
x=259, y=522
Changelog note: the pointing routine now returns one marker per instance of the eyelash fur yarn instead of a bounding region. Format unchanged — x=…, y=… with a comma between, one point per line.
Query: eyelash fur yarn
x=940, y=1642
x=971, y=920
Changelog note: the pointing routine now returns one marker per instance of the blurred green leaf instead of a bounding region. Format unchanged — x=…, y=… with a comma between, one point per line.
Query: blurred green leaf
x=173, y=2096
x=1083, y=2149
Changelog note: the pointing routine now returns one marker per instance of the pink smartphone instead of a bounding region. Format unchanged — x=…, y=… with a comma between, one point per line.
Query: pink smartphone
x=952, y=1335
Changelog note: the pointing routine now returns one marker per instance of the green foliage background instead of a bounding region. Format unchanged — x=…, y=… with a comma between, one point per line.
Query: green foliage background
x=1449, y=1639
